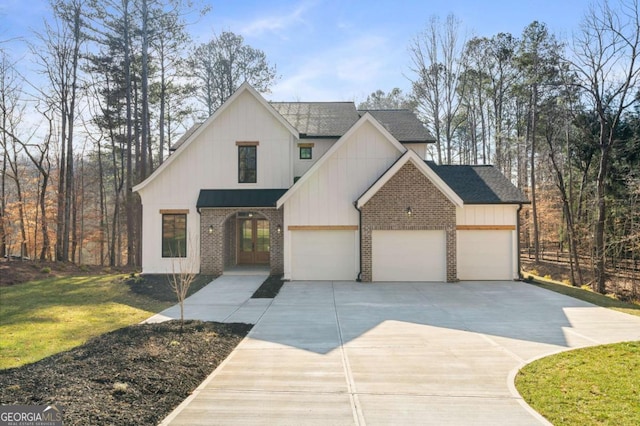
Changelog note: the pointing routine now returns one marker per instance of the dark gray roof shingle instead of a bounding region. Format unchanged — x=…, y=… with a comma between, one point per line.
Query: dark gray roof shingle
x=402, y=124
x=239, y=197
x=319, y=119
x=479, y=184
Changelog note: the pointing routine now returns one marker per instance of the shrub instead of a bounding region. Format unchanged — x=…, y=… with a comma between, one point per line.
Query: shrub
x=45, y=270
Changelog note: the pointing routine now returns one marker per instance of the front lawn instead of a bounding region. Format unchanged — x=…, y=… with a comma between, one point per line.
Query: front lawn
x=591, y=386
x=44, y=317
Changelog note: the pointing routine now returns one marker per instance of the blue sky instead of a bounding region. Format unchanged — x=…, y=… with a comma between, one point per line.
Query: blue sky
x=333, y=49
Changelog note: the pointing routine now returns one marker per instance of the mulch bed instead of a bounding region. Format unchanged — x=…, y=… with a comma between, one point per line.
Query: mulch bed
x=133, y=376
x=269, y=288
x=157, y=286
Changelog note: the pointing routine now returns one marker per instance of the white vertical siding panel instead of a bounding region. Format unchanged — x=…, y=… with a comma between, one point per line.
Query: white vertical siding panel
x=326, y=198
x=487, y=214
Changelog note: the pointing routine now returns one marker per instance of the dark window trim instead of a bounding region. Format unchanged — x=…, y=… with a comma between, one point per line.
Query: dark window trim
x=166, y=250
x=241, y=176
x=306, y=148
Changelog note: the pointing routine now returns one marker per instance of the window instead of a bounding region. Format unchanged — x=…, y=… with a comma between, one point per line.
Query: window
x=247, y=163
x=174, y=235
x=305, y=152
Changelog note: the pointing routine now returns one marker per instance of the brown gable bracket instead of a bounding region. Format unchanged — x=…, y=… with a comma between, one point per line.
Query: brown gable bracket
x=174, y=211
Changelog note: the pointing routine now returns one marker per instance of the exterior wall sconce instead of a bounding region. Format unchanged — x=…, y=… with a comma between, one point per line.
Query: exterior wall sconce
x=279, y=229
x=210, y=229
x=409, y=211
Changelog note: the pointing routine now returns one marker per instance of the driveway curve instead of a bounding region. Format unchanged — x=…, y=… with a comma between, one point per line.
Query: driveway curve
x=396, y=353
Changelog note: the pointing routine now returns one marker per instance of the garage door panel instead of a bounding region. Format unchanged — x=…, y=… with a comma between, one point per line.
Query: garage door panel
x=485, y=255
x=323, y=255
x=408, y=255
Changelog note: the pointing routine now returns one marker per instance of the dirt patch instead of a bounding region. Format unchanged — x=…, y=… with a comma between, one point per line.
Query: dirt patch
x=20, y=271
x=133, y=376
x=269, y=288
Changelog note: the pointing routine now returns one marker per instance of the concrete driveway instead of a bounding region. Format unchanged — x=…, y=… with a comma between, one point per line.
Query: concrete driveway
x=333, y=353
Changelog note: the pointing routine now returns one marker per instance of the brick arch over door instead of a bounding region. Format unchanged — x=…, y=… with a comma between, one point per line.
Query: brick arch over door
x=387, y=210
x=216, y=246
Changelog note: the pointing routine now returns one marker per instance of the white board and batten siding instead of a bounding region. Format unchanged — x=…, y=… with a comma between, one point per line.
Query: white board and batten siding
x=324, y=203
x=210, y=161
x=409, y=255
x=487, y=242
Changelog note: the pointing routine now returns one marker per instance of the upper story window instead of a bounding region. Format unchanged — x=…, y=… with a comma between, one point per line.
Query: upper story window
x=306, y=151
x=247, y=162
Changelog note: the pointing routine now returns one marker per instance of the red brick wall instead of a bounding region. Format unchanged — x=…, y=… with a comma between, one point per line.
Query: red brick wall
x=217, y=249
x=387, y=210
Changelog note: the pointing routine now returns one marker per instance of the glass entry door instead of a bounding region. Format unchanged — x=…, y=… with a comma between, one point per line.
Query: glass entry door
x=253, y=241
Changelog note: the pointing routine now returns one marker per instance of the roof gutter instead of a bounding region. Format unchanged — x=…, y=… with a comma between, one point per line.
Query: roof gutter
x=355, y=204
x=519, y=263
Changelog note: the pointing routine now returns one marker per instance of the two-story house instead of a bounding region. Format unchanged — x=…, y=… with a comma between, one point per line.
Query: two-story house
x=322, y=191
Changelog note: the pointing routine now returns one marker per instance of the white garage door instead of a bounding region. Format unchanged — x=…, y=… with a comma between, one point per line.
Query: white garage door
x=323, y=255
x=409, y=255
x=485, y=255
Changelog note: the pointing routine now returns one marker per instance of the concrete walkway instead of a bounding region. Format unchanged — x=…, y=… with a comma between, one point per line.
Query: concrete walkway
x=404, y=353
x=225, y=299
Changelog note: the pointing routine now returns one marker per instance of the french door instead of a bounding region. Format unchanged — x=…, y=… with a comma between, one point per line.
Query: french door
x=253, y=241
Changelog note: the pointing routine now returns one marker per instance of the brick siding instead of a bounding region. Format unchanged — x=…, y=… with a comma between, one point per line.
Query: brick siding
x=218, y=249
x=387, y=210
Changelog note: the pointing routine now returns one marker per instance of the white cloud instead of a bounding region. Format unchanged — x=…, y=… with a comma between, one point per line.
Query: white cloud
x=346, y=71
x=276, y=22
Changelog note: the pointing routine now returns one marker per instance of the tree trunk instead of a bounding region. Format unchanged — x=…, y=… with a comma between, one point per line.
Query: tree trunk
x=599, y=237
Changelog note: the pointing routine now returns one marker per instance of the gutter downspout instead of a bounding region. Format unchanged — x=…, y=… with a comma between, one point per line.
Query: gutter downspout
x=519, y=263
x=355, y=204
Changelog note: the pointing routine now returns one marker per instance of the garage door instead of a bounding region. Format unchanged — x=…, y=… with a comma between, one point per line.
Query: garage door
x=409, y=255
x=485, y=255
x=323, y=255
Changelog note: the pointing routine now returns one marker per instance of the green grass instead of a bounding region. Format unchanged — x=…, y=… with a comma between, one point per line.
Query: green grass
x=590, y=386
x=44, y=317
x=587, y=296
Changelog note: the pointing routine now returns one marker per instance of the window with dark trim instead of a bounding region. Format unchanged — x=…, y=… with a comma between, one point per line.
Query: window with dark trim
x=174, y=235
x=306, y=152
x=247, y=164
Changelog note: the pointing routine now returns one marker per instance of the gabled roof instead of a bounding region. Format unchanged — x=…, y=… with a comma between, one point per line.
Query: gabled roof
x=245, y=87
x=402, y=124
x=480, y=184
x=319, y=119
x=239, y=197
x=410, y=157
x=366, y=118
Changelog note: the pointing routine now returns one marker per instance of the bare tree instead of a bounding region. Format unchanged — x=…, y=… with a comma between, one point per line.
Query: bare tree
x=436, y=57
x=59, y=56
x=220, y=66
x=183, y=273
x=606, y=59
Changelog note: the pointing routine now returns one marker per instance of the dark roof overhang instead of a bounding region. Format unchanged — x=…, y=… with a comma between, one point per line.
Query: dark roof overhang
x=245, y=198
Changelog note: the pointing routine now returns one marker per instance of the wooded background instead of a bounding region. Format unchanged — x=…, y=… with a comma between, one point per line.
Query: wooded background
x=121, y=80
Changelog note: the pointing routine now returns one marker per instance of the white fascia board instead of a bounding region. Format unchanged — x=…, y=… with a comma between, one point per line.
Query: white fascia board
x=245, y=87
x=366, y=118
